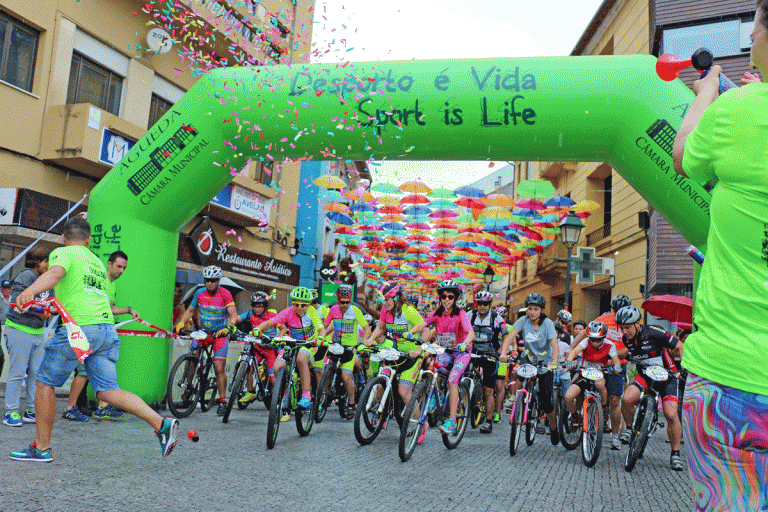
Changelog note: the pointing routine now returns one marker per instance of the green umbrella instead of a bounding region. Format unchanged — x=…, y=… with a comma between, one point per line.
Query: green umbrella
x=535, y=189
x=442, y=192
x=386, y=188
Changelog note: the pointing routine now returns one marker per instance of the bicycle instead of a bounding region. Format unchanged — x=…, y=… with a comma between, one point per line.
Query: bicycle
x=646, y=418
x=525, y=407
x=477, y=411
x=246, y=365
x=286, y=391
x=190, y=380
x=593, y=418
x=331, y=385
x=380, y=399
x=416, y=412
x=570, y=434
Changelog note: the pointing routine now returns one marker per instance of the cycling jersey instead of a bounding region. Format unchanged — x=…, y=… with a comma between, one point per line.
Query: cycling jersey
x=489, y=331
x=256, y=321
x=537, y=341
x=614, y=331
x=302, y=328
x=398, y=325
x=597, y=357
x=652, y=345
x=345, y=324
x=213, y=308
x=451, y=330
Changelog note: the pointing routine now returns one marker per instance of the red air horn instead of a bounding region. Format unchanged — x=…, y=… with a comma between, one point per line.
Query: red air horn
x=668, y=67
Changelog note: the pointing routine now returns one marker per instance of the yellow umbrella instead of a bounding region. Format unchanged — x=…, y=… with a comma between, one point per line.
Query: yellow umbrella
x=389, y=201
x=415, y=187
x=587, y=205
x=329, y=181
x=496, y=212
x=498, y=200
x=337, y=207
x=359, y=195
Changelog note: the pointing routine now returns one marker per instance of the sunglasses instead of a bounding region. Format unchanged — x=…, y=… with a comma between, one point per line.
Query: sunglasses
x=344, y=302
x=210, y=280
x=448, y=296
x=258, y=305
x=483, y=303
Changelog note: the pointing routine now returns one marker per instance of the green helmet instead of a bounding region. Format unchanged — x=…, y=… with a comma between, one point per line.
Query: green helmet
x=302, y=294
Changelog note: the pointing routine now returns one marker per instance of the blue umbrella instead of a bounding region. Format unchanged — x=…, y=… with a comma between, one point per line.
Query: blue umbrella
x=332, y=195
x=393, y=226
x=559, y=201
x=468, y=191
x=362, y=206
x=341, y=218
x=417, y=209
x=523, y=212
x=443, y=203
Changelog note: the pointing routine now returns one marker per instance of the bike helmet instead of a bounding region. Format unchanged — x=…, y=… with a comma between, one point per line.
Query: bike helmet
x=564, y=315
x=413, y=299
x=628, y=315
x=390, y=289
x=259, y=298
x=536, y=300
x=448, y=285
x=483, y=297
x=620, y=301
x=344, y=292
x=212, y=272
x=302, y=294
x=597, y=329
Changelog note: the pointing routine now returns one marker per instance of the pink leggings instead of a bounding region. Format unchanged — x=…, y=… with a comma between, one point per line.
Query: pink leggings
x=460, y=361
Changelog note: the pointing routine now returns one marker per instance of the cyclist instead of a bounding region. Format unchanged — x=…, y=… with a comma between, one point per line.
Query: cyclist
x=342, y=322
x=218, y=318
x=258, y=315
x=302, y=325
x=452, y=329
x=400, y=320
x=490, y=332
x=653, y=345
x=541, y=345
x=595, y=353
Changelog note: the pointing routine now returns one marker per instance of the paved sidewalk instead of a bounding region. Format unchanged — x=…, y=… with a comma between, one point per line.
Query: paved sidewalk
x=117, y=466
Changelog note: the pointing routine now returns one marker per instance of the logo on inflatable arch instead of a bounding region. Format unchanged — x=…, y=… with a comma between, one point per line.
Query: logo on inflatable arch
x=201, y=242
x=205, y=242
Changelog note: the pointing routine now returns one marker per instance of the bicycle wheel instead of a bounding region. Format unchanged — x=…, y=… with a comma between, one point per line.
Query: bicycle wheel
x=533, y=419
x=276, y=408
x=268, y=387
x=208, y=387
x=592, y=438
x=451, y=441
x=305, y=418
x=323, y=395
x=570, y=434
x=236, y=389
x=639, y=435
x=398, y=406
x=412, y=422
x=477, y=405
x=368, y=421
x=183, y=393
x=517, y=424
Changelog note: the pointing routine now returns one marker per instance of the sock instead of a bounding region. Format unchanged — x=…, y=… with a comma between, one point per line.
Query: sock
x=222, y=400
x=306, y=394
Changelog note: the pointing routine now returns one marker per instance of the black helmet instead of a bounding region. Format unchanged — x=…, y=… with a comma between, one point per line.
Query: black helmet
x=259, y=298
x=620, y=301
x=536, y=300
x=628, y=315
x=597, y=329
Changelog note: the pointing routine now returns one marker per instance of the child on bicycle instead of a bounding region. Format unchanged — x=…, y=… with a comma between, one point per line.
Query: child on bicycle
x=258, y=315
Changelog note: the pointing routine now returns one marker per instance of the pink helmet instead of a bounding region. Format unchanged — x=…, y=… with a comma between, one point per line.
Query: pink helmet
x=390, y=289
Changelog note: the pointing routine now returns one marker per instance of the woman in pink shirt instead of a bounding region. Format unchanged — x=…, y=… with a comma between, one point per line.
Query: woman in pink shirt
x=452, y=330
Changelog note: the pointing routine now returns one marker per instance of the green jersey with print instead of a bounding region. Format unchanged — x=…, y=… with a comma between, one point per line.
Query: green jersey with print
x=111, y=291
x=83, y=289
x=728, y=344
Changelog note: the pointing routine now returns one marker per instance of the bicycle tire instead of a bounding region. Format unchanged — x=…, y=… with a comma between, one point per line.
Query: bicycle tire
x=570, y=435
x=592, y=438
x=367, y=426
x=323, y=395
x=268, y=387
x=398, y=406
x=477, y=405
x=517, y=424
x=276, y=407
x=533, y=419
x=451, y=441
x=409, y=432
x=235, y=391
x=179, y=384
x=639, y=435
x=208, y=387
x=305, y=418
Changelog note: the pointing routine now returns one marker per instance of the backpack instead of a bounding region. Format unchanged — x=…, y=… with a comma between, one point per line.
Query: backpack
x=496, y=330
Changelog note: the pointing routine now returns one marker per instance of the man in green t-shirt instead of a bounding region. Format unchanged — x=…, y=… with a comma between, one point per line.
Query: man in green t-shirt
x=79, y=280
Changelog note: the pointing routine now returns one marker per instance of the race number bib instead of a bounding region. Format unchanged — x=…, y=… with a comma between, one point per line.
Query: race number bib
x=446, y=339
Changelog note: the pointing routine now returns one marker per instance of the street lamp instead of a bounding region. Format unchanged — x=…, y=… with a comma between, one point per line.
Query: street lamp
x=570, y=231
x=488, y=274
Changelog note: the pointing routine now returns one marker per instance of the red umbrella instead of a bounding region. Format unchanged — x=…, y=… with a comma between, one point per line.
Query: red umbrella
x=469, y=202
x=673, y=308
x=415, y=199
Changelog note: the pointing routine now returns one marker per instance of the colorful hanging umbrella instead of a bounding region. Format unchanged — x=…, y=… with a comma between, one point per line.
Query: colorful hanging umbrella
x=393, y=218
x=418, y=225
x=417, y=209
x=442, y=193
x=337, y=207
x=442, y=203
x=531, y=204
x=362, y=206
x=443, y=214
x=496, y=212
x=331, y=195
x=536, y=189
x=386, y=188
x=359, y=195
x=587, y=205
x=415, y=187
x=340, y=218
x=469, y=202
x=389, y=200
x=329, y=181
x=468, y=191
x=346, y=230
x=559, y=201
x=498, y=200
x=415, y=199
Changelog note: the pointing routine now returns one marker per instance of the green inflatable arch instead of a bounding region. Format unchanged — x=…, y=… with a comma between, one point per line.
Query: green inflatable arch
x=610, y=109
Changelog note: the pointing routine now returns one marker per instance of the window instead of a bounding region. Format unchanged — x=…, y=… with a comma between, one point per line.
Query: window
x=263, y=173
x=528, y=170
x=607, y=190
x=524, y=270
x=157, y=109
x=94, y=84
x=728, y=37
x=18, y=51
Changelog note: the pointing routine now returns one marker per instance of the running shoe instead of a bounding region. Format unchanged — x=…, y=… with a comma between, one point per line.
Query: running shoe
x=305, y=403
x=422, y=434
x=285, y=417
x=167, y=435
x=496, y=418
x=31, y=453
x=221, y=409
x=625, y=436
x=676, y=461
x=248, y=397
x=107, y=413
x=29, y=417
x=74, y=414
x=487, y=428
x=12, y=419
x=615, y=443
x=448, y=427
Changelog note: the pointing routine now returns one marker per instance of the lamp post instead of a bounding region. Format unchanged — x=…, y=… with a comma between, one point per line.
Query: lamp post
x=488, y=274
x=570, y=231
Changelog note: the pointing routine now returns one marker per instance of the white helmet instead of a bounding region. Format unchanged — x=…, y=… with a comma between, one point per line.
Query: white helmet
x=483, y=296
x=212, y=272
x=564, y=315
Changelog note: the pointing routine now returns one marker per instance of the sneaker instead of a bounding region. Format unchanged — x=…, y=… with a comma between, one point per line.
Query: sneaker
x=422, y=434
x=29, y=417
x=107, y=413
x=12, y=419
x=285, y=417
x=248, y=397
x=167, y=435
x=554, y=437
x=221, y=409
x=305, y=403
x=448, y=427
x=496, y=418
x=351, y=412
x=676, y=461
x=31, y=453
x=615, y=443
x=487, y=428
x=625, y=436
x=74, y=414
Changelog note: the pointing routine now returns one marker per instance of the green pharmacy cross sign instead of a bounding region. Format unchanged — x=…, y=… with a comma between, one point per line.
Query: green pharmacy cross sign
x=586, y=265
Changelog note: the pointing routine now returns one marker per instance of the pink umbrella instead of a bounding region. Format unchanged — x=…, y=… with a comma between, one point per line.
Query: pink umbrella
x=418, y=225
x=443, y=214
x=415, y=199
x=531, y=204
x=673, y=308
